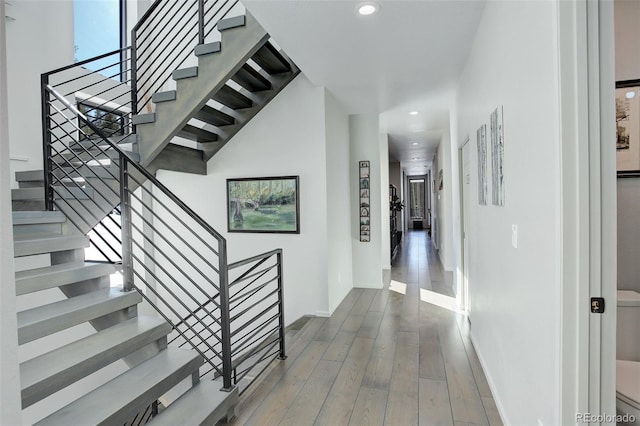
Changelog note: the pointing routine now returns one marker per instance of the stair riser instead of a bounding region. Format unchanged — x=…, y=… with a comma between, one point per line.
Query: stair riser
x=30, y=284
x=31, y=184
x=31, y=247
x=37, y=217
x=21, y=205
x=32, y=230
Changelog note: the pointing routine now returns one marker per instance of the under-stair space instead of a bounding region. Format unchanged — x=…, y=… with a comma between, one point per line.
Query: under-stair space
x=120, y=334
x=234, y=79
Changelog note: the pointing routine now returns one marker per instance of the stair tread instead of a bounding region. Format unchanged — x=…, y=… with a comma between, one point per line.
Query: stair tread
x=205, y=403
x=28, y=244
x=184, y=73
x=47, y=319
x=214, y=117
x=232, y=98
x=251, y=79
x=50, y=372
x=197, y=134
x=119, y=398
x=270, y=60
x=61, y=274
x=233, y=22
x=27, y=175
x=38, y=217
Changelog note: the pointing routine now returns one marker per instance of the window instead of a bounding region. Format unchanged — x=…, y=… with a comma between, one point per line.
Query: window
x=99, y=28
x=110, y=121
x=416, y=199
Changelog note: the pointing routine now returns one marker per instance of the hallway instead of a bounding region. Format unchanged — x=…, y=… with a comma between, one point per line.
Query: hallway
x=396, y=356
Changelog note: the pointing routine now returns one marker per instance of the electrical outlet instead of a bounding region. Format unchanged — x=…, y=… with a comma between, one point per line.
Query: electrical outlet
x=514, y=236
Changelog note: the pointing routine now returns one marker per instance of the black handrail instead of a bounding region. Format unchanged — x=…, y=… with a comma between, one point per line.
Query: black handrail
x=144, y=172
x=86, y=61
x=181, y=297
x=250, y=304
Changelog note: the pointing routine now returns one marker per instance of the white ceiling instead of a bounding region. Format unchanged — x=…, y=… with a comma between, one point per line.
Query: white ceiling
x=407, y=57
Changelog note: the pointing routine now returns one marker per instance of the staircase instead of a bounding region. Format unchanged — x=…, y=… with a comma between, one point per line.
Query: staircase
x=120, y=334
x=208, y=324
x=235, y=78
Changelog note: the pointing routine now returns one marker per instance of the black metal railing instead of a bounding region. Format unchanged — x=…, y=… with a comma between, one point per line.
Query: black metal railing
x=164, y=39
x=256, y=314
x=170, y=255
x=100, y=87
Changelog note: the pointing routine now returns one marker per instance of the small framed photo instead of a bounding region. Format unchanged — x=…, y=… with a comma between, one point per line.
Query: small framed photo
x=628, y=127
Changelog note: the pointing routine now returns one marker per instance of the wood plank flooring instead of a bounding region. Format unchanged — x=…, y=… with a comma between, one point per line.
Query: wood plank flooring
x=385, y=357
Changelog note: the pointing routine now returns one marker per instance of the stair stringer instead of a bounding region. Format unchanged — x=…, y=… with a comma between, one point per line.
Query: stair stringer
x=193, y=93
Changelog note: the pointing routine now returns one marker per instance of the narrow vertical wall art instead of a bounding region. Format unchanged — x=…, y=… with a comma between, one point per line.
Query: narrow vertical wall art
x=365, y=202
x=497, y=156
x=483, y=187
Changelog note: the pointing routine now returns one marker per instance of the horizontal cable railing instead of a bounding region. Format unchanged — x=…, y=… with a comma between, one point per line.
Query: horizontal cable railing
x=164, y=39
x=256, y=314
x=99, y=88
x=169, y=254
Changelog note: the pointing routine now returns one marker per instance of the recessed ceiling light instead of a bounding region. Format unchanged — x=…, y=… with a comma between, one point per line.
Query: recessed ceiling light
x=414, y=143
x=367, y=8
x=413, y=113
x=630, y=95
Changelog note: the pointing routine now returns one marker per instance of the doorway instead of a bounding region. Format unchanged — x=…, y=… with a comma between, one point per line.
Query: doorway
x=417, y=211
x=466, y=160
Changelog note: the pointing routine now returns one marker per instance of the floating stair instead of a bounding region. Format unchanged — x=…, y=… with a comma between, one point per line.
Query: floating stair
x=234, y=80
x=47, y=319
x=119, y=400
x=38, y=279
x=140, y=341
x=27, y=246
x=48, y=373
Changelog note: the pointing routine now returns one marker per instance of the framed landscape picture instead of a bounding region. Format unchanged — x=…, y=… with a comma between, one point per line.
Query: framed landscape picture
x=265, y=204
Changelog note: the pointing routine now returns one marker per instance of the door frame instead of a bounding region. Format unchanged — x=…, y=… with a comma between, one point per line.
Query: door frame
x=464, y=288
x=588, y=202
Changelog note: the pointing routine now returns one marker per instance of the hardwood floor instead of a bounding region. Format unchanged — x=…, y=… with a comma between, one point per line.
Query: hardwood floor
x=385, y=357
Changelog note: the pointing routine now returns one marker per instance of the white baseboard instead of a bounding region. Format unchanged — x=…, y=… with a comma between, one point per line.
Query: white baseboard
x=323, y=314
x=496, y=396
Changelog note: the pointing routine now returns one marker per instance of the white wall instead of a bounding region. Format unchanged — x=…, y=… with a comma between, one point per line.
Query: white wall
x=340, y=271
x=455, y=249
x=442, y=202
x=515, y=293
x=280, y=141
x=385, y=225
x=9, y=373
x=365, y=146
x=445, y=209
x=627, y=35
x=39, y=40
